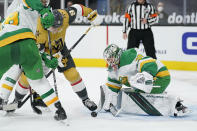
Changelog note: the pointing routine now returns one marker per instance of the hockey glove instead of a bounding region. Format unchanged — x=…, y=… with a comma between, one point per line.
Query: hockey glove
x=62, y=61
x=94, y=18
x=47, y=18
x=142, y=81
x=51, y=63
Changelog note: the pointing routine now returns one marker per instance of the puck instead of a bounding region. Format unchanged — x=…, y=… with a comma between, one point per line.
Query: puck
x=93, y=114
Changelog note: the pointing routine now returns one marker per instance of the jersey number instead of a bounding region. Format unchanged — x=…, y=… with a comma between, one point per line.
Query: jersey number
x=12, y=19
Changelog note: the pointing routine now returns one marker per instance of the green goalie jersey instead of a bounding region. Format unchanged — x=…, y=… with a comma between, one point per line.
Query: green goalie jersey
x=131, y=63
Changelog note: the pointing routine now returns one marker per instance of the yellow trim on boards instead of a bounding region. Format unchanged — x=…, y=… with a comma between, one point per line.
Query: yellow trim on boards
x=81, y=62
x=173, y=65
x=181, y=65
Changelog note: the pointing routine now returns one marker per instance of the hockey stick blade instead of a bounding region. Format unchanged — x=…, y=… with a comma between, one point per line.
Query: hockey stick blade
x=23, y=102
x=36, y=110
x=9, y=107
x=14, y=106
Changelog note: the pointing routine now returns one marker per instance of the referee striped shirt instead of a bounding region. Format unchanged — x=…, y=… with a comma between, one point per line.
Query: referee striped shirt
x=136, y=12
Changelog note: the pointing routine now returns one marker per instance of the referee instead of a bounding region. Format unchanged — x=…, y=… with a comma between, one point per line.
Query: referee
x=139, y=17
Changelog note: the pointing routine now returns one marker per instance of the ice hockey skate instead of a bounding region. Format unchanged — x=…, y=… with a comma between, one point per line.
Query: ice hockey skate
x=89, y=104
x=60, y=113
x=180, y=109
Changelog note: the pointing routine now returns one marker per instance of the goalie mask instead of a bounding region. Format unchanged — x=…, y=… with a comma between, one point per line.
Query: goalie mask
x=112, y=55
x=58, y=19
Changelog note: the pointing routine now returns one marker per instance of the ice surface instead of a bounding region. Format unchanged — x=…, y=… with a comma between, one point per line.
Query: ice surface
x=183, y=84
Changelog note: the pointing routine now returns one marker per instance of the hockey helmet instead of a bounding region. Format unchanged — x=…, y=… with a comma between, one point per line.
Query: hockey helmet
x=112, y=55
x=58, y=19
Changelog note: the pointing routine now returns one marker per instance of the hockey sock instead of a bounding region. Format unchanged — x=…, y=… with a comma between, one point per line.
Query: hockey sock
x=21, y=91
x=47, y=93
x=6, y=88
x=80, y=89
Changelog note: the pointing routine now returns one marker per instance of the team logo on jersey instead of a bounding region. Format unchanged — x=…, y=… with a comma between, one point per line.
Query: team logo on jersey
x=58, y=44
x=123, y=79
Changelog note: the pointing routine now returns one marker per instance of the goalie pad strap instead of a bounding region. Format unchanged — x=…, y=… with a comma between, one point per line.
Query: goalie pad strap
x=143, y=104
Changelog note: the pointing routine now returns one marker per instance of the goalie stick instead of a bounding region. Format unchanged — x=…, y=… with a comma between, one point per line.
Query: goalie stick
x=112, y=108
x=101, y=103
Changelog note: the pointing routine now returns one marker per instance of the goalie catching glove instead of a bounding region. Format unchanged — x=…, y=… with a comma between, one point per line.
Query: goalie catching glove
x=94, y=18
x=51, y=63
x=142, y=81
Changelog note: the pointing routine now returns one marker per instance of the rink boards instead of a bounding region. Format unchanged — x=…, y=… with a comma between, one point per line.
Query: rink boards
x=176, y=46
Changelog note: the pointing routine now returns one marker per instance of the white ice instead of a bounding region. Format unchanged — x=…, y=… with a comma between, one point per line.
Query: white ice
x=183, y=84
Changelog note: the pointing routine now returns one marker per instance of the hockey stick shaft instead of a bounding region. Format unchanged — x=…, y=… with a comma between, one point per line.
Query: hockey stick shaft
x=86, y=32
x=53, y=71
x=23, y=102
x=35, y=109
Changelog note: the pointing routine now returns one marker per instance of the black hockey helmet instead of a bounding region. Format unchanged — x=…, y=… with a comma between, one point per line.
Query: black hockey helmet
x=58, y=19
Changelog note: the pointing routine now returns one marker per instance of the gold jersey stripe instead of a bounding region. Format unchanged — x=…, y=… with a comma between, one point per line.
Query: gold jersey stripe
x=144, y=62
x=113, y=86
x=26, y=4
x=7, y=87
x=163, y=73
x=16, y=37
x=52, y=101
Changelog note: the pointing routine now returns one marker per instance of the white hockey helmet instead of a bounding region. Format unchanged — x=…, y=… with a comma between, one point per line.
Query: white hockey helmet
x=112, y=55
